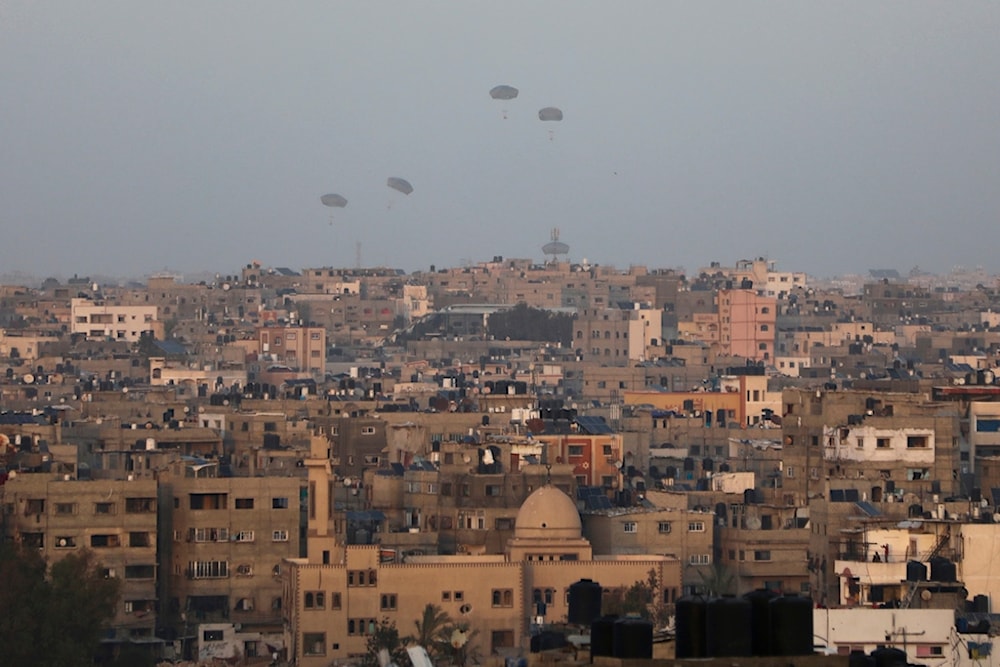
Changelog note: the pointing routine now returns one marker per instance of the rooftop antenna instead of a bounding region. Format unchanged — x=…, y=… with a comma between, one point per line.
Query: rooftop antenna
x=555, y=247
x=357, y=254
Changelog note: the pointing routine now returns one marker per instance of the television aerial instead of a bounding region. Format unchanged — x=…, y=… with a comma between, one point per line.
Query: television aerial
x=555, y=247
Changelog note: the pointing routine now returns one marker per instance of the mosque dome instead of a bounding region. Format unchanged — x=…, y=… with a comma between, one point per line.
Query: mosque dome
x=548, y=513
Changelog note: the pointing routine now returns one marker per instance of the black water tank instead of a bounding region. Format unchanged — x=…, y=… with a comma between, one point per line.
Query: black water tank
x=547, y=640
x=633, y=638
x=889, y=657
x=690, y=627
x=916, y=571
x=584, y=602
x=981, y=604
x=860, y=659
x=760, y=611
x=602, y=633
x=728, y=625
x=942, y=569
x=791, y=625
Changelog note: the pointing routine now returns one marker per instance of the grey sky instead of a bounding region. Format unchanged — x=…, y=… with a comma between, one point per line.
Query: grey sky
x=194, y=135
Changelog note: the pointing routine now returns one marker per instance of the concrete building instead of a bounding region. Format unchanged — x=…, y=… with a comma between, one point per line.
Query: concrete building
x=115, y=519
x=332, y=608
x=223, y=541
x=98, y=321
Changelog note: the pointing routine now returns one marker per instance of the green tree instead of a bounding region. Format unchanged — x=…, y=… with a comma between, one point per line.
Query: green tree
x=431, y=629
x=718, y=579
x=386, y=640
x=642, y=598
x=525, y=323
x=52, y=616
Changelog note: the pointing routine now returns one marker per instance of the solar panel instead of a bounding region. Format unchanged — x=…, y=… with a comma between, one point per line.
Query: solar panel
x=868, y=508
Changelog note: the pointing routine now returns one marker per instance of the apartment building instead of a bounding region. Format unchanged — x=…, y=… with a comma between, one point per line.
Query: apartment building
x=223, y=540
x=115, y=519
x=99, y=321
x=299, y=348
x=747, y=324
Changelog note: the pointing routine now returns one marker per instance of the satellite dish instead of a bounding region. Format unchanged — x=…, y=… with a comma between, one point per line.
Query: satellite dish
x=28, y=378
x=925, y=595
x=62, y=541
x=753, y=523
x=348, y=481
x=466, y=458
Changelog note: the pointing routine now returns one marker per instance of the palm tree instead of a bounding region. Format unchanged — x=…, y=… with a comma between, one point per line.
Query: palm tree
x=430, y=628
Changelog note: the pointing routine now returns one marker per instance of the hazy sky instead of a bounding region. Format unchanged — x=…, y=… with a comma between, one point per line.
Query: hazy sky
x=199, y=135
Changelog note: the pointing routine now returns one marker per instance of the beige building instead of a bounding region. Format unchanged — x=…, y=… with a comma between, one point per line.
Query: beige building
x=300, y=348
x=98, y=320
x=332, y=608
x=116, y=520
x=223, y=543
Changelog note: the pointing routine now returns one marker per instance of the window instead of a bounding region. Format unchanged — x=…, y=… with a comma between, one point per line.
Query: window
x=629, y=526
x=314, y=643
x=208, y=569
x=65, y=508
x=65, y=542
x=388, y=602
x=211, y=635
x=762, y=555
x=279, y=536
x=208, y=501
x=103, y=541
x=334, y=600
x=367, y=430
x=139, y=539
x=140, y=571
x=314, y=600
x=696, y=527
x=575, y=450
x=504, y=524
x=243, y=536
x=916, y=441
x=140, y=505
x=664, y=526
x=279, y=503
x=104, y=508
x=208, y=534
x=244, y=503
x=503, y=597
x=880, y=443
x=699, y=559
x=244, y=570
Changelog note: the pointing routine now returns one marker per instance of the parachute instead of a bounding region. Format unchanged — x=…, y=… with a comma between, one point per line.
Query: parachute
x=550, y=113
x=400, y=184
x=503, y=92
x=333, y=201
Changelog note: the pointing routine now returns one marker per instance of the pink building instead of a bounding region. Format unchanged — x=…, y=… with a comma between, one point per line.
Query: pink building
x=746, y=323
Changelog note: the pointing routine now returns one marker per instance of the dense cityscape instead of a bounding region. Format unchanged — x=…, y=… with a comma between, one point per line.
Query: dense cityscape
x=287, y=466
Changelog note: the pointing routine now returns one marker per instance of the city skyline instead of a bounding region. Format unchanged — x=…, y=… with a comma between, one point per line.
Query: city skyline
x=193, y=138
